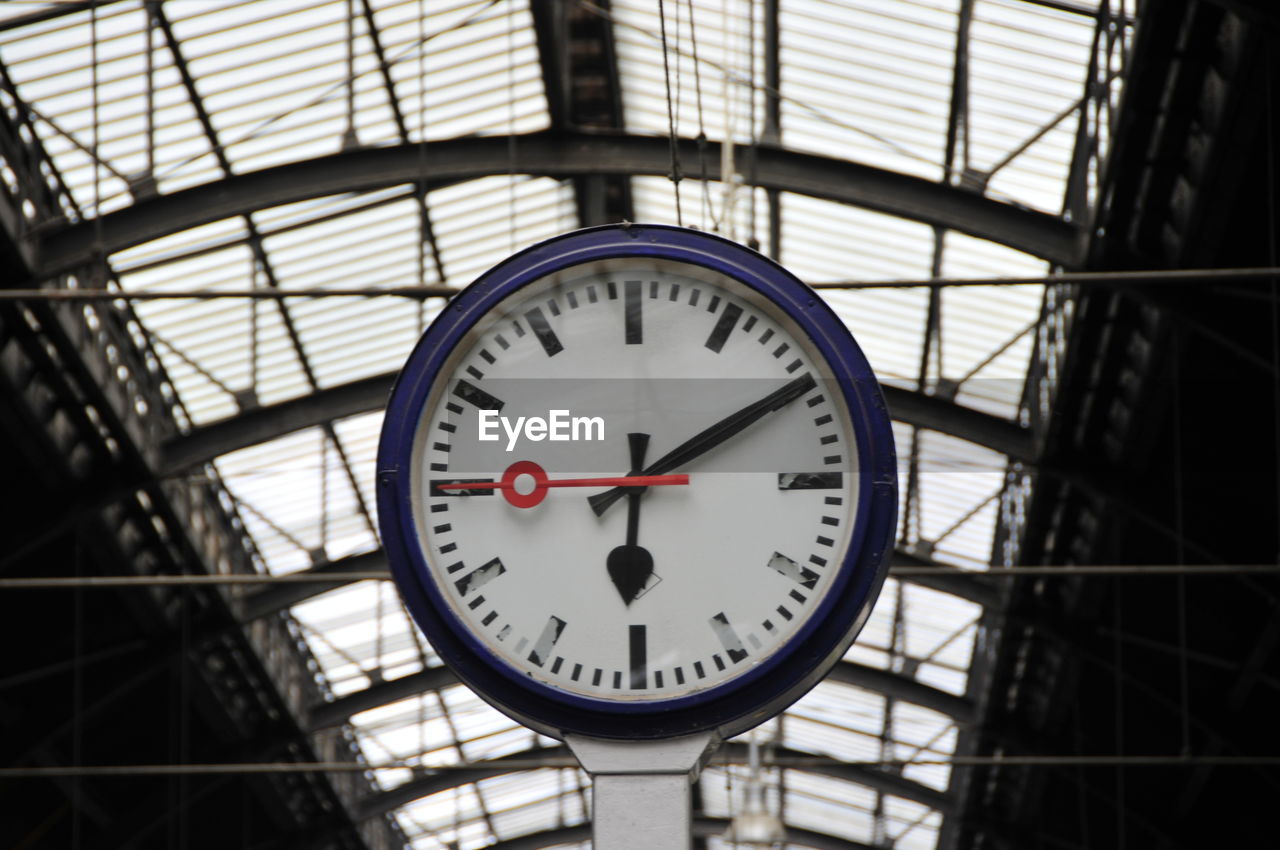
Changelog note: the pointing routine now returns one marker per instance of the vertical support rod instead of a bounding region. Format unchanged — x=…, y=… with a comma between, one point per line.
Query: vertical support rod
x=651, y=812
x=772, y=133
x=641, y=789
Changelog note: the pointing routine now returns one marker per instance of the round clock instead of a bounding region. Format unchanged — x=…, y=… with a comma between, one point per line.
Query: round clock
x=638, y=481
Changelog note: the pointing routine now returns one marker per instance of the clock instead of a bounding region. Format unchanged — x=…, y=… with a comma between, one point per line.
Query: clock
x=638, y=481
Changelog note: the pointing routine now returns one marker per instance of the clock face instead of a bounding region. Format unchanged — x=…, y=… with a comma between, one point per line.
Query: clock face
x=632, y=482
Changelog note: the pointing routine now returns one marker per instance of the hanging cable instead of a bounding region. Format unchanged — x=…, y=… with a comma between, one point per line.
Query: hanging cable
x=707, y=212
x=1179, y=547
x=149, y=27
x=728, y=99
x=753, y=241
x=671, y=116
x=511, y=127
x=1168, y=278
x=1066, y=571
x=1272, y=258
x=349, y=139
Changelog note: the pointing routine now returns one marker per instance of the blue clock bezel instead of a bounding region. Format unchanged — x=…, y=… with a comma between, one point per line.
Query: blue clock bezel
x=739, y=703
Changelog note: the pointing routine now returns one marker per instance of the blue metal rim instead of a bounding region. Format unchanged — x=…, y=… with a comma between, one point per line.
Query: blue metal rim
x=742, y=701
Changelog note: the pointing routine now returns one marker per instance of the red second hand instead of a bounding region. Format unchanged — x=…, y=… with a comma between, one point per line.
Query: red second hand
x=527, y=467
x=625, y=481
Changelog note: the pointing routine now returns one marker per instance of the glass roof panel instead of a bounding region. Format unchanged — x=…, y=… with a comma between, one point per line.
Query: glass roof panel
x=715, y=67
x=274, y=78
x=480, y=57
x=987, y=335
x=54, y=73
x=348, y=339
x=824, y=804
x=293, y=491
x=869, y=81
x=1027, y=67
x=216, y=349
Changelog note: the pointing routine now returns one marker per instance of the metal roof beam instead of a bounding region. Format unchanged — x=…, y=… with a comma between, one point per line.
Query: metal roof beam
x=939, y=414
x=885, y=682
x=558, y=155
x=731, y=751
x=581, y=82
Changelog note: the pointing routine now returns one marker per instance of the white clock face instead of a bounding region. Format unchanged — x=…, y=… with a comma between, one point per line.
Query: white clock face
x=621, y=592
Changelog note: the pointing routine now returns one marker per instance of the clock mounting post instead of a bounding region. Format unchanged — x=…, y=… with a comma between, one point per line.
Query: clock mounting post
x=641, y=789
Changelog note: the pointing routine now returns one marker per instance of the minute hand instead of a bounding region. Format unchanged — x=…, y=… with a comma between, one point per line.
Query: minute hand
x=711, y=437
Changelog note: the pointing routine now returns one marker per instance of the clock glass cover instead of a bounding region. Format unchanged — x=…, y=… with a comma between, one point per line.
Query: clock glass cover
x=636, y=488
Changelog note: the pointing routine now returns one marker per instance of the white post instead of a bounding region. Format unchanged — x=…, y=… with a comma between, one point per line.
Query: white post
x=641, y=789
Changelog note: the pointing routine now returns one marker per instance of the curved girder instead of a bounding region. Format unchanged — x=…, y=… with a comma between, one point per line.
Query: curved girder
x=261, y=424
x=732, y=751
x=558, y=155
x=884, y=682
x=703, y=827
x=963, y=583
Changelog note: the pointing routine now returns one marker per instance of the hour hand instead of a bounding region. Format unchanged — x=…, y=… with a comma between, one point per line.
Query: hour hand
x=709, y=438
x=630, y=565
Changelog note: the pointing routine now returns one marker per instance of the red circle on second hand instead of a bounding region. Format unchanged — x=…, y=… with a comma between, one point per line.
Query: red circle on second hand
x=524, y=500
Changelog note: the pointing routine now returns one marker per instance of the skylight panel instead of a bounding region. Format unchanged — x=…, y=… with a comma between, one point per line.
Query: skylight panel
x=917, y=731
x=911, y=826
x=482, y=62
x=419, y=731
x=473, y=717
x=14, y=12
x=53, y=73
x=954, y=682
x=702, y=205
x=825, y=241
x=295, y=491
x=452, y=818
x=868, y=83
x=1027, y=68
x=878, y=631
x=987, y=345
x=528, y=803
x=934, y=621
x=959, y=487
x=359, y=436
x=715, y=68
x=279, y=88
x=347, y=339
x=207, y=346
x=480, y=222
x=832, y=806
x=804, y=735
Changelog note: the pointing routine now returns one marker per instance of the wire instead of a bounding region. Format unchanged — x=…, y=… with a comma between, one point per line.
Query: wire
x=671, y=118
x=1157, y=277
x=1119, y=571
x=762, y=87
x=707, y=212
x=514, y=764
